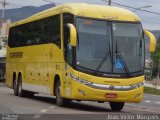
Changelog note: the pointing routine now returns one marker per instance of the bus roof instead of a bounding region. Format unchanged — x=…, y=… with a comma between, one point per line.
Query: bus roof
x=85, y=10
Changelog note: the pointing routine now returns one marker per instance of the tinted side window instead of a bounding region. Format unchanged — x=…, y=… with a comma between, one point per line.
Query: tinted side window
x=10, y=39
x=16, y=36
x=38, y=32
x=67, y=18
x=68, y=50
x=56, y=31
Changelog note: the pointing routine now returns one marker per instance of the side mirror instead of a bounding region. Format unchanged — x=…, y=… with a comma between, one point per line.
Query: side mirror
x=152, y=44
x=73, y=34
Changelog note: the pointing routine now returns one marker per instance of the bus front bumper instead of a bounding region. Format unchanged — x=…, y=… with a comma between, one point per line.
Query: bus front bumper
x=84, y=92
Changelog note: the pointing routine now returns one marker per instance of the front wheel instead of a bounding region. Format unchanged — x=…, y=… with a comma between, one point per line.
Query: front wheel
x=60, y=101
x=117, y=106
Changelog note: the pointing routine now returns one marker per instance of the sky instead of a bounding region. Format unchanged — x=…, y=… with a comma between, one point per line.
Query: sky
x=149, y=21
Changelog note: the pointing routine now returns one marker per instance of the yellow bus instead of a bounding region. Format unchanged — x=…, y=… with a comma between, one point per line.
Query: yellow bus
x=79, y=52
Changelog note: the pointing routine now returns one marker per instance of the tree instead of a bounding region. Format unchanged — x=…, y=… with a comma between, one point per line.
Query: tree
x=156, y=57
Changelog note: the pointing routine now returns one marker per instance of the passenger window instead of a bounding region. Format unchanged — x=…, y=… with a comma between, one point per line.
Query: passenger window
x=42, y=31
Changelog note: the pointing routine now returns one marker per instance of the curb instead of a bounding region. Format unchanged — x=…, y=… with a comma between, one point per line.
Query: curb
x=152, y=86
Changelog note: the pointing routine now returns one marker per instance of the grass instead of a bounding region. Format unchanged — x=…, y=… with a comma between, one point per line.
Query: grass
x=150, y=90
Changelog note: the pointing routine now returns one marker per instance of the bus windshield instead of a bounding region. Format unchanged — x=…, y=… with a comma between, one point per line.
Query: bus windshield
x=109, y=47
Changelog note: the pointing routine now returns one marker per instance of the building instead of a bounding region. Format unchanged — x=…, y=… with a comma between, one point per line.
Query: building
x=4, y=32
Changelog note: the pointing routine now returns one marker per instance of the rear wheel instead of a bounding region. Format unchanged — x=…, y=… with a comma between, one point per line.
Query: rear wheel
x=15, y=88
x=60, y=101
x=20, y=90
x=117, y=106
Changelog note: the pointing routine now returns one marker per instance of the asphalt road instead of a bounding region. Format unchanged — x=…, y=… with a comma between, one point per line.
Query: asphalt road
x=44, y=107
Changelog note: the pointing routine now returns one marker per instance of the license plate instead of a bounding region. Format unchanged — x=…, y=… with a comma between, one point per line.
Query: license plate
x=111, y=95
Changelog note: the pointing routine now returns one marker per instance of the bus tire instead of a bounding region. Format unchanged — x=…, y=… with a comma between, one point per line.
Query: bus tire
x=60, y=101
x=15, y=88
x=20, y=90
x=117, y=106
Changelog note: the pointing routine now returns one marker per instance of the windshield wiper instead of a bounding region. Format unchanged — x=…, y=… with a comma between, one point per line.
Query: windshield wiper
x=104, y=59
x=118, y=53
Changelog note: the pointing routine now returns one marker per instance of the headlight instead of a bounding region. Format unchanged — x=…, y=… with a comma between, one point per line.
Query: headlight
x=137, y=85
x=85, y=82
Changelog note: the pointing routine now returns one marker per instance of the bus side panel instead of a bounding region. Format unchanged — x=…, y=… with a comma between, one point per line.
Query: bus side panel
x=10, y=67
x=35, y=67
x=9, y=74
x=33, y=80
x=55, y=67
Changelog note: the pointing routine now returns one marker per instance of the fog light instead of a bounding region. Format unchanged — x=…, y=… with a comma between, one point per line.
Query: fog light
x=81, y=92
x=136, y=96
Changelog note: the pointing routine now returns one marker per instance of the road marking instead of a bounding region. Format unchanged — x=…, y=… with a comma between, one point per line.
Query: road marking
x=147, y=101
x=158, y=102
x=37, y=116
x=44, y=110
x=52, y=107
